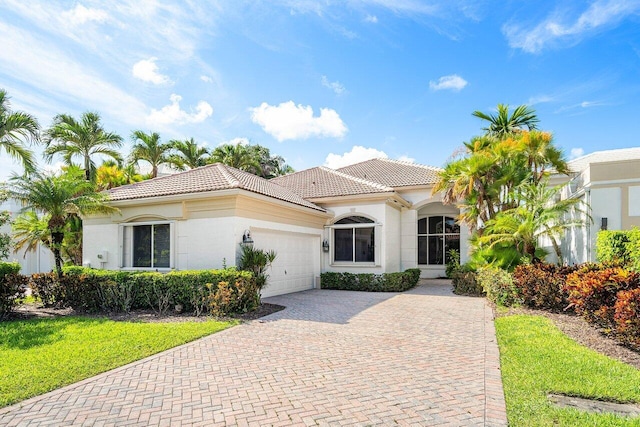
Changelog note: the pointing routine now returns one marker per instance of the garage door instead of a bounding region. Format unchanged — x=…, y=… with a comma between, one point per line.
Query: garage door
x=297, y=263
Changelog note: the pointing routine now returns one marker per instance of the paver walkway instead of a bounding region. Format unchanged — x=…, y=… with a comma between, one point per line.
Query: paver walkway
x=424, y=357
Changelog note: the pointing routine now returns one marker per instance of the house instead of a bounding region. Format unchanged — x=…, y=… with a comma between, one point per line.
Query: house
x=609, y=182
x=39, y=260
x=372, y=217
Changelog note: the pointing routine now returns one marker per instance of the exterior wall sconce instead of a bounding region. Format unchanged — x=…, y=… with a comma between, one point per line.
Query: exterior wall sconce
x=604, y=223
x=325, y=245
x=246, y=239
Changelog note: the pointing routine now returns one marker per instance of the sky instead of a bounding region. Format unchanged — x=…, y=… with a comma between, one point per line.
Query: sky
x=328, y=82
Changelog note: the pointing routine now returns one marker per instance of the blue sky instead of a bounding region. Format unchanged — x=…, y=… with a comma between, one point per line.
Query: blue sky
x=328, y=82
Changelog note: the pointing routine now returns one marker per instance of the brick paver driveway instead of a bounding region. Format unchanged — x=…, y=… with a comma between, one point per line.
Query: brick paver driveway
x=424, y=357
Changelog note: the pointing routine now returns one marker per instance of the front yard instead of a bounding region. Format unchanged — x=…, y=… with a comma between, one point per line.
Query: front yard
x=537, y=359
x=37, y=356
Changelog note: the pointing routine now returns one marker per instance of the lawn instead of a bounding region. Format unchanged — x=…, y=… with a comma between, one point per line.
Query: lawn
x=37, y=356
x=537, y=359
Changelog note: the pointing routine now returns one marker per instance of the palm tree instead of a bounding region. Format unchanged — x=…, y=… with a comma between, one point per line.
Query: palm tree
x=188, y=154
x=16, y=126
x=540, y=215
x=85, y=138
x=110, y=175
x=30, y=229
x=541, y=155
x=502, y=124
x=62, y=197
x=236, y=155
x=147, y=147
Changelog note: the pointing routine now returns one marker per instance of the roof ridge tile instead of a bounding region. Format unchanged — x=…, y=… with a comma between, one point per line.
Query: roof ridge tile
x=355, y=178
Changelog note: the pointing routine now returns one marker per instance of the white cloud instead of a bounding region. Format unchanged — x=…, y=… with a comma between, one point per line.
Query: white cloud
x=290, y=121
x=371, y=19
x=405, y=158
x=336, y=87
x=80, y=15
x=173, y=114
x=206, y=79
x=452, y=82
x=357, y=154
x=575, y=153
x=147, y=71
x=235, y=141
x=561, y=28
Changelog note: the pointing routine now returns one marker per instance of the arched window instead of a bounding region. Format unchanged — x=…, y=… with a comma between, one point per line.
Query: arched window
x=437, y=235
x=354, y=240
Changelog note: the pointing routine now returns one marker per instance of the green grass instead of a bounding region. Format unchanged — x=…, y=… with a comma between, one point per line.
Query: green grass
x=537, y=359
x=37, y=356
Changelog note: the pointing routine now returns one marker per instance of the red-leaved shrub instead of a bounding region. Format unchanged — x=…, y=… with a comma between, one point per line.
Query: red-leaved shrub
x=627, y=317
x=542, y=285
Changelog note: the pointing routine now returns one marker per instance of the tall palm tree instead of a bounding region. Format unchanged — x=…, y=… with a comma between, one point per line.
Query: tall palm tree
x=62, y=197
x=236, y=155
x=502, y=124
x=147, y=147
x=188, y=154
x=84, y=138
x=110, y=175
x=16, y=127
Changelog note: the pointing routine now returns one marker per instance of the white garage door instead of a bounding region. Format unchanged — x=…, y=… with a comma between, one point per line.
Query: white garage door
x=297, y=262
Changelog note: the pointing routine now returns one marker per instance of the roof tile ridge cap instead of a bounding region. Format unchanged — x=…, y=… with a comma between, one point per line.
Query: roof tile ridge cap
x=147, y=181
x=230, y=177
x=408, y=163
x=355, y=178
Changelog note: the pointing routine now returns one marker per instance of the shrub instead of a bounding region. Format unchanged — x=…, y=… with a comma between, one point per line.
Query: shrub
x=542, y=285
x=12, y=287
x=240, y=296
x=592, y=293
x=368, y=282
x=619, y=246
x=465, y=282
x=453, y=264
x=627, y=317
x=498, y=286
x=46, y=287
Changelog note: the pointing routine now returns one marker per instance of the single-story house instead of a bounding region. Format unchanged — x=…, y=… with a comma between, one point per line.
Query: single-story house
x=372, y=217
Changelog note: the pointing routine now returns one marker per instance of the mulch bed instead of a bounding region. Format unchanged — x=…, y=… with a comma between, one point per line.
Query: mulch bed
x=34, y=311
x=576, y=328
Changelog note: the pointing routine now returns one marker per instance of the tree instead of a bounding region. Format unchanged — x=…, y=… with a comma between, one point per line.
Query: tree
x=5, y=239
x=539, y=215
x=502, y=124
x=238, y=156
x=188, y=154
x=147, y=147
x=268, y=166
x=63, y=197
x=110, y=175
x=29, y=230
x=85, y=139
x=16, y=127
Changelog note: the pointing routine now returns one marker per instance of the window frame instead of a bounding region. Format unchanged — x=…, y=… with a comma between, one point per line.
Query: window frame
x=373, y=225
x=127, y=245
x=442, y=235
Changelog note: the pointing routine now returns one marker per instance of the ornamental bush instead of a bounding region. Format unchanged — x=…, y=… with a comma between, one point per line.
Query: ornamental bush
x=240, y=296
x=498, y=286
x=12, y=287
x=627, y=317
x=465, y=282
x=368, y=282
x=619, y=246
x=593, y=293
x=542, y=285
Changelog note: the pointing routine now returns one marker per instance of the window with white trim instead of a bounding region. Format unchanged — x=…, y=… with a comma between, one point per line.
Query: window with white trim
x=354, y=240
x=148, y=245
x=437, y=235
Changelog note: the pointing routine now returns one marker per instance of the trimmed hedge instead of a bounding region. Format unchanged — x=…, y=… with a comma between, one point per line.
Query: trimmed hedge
x=121, y=291
x=620, y=247
x=368, y=282
x=12, y=287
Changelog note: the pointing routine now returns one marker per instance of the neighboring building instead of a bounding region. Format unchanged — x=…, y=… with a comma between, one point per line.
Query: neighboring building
x=38, y=261
x=373, y=217
x=609, y=182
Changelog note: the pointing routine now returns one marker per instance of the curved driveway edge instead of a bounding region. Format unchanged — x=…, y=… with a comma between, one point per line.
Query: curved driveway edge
x=423, y=357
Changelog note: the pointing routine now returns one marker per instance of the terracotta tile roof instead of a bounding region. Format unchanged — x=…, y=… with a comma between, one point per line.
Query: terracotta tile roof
x=324, y=182
x=207, y=178
x=393, y=173
x=581, y=163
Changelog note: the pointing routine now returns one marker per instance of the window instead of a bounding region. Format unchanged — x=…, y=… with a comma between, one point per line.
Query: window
x=147, y=245
x=437, y=235
x=354, y=240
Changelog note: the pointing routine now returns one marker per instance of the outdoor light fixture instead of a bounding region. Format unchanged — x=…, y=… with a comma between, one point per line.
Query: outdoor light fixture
x=604, y=222
x=246, y=239
x=325, y=245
